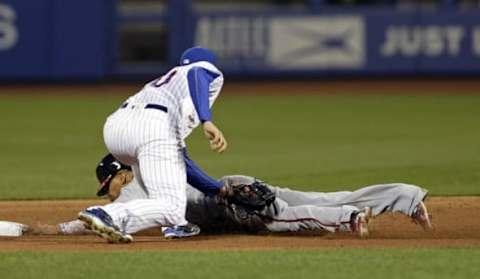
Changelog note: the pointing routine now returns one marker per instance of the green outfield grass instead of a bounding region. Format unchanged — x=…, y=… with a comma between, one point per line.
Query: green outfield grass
x=335, y=264
x=51, y=145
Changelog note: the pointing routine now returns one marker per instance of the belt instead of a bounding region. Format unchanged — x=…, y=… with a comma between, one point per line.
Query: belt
x=148, y=106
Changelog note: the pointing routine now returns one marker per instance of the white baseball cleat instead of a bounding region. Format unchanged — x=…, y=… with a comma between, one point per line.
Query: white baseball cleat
x=421, y=217
x=360, y=221
x=101, y=223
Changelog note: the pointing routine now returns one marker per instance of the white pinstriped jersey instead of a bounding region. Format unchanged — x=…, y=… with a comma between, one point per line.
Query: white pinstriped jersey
x=171, y=90
x=151, y=141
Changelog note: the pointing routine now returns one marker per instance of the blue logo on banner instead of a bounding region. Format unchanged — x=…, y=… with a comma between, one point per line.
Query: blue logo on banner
x=317, y=42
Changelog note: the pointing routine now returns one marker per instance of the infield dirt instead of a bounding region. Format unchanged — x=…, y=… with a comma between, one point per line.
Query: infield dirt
x=454, y=219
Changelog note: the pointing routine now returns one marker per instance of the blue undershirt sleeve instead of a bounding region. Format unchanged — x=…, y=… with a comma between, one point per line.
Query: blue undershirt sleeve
x=198, y=178
x=199, y=80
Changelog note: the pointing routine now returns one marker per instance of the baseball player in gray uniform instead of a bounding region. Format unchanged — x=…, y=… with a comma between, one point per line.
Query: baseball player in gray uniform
x=147, y=132
x=292, y=211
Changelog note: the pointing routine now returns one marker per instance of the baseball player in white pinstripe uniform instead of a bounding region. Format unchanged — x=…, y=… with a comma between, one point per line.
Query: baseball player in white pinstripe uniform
x=148, y=133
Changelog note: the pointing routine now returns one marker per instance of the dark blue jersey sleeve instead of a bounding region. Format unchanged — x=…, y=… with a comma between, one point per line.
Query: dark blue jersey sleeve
x=199, y=80
x=199, y=179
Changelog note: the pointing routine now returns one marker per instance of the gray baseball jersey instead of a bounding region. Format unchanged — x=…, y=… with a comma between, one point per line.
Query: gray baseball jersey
x=292, y=210
x=297, y=210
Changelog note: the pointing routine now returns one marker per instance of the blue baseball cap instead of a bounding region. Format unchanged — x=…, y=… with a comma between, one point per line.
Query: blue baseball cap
x=196, y=54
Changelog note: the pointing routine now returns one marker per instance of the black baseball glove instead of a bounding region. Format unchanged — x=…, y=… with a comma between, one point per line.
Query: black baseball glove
x=252, y=198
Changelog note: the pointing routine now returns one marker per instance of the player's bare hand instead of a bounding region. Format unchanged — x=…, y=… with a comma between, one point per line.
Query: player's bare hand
x=220, y=145
x=215, y=136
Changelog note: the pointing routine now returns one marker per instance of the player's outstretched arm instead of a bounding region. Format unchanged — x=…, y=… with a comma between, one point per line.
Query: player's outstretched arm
x=74, y=227
x=215, y=136
x=199, y=179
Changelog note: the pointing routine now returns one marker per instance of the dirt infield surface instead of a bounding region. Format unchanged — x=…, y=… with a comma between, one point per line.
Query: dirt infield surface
x=454, y=220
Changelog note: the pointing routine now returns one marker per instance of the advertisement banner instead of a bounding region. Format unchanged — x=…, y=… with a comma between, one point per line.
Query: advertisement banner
x=389, y=42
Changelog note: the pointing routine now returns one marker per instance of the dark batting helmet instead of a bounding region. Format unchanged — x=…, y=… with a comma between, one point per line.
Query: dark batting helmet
x=106, y=170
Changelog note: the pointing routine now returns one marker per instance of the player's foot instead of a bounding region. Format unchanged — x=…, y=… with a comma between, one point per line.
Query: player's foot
x=98, y=221
x=360, y=220
x=181, y=231
x=420, y=216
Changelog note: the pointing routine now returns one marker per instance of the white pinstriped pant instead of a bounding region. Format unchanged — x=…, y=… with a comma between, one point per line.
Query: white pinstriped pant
x=147, y=140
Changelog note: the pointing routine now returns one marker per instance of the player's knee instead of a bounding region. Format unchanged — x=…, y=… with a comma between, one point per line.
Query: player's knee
x=409, y=190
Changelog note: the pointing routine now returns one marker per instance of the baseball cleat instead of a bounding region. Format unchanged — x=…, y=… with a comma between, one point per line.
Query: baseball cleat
x=360, y=221
x=181, y=231
x=420, y=216
x=98, y=221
